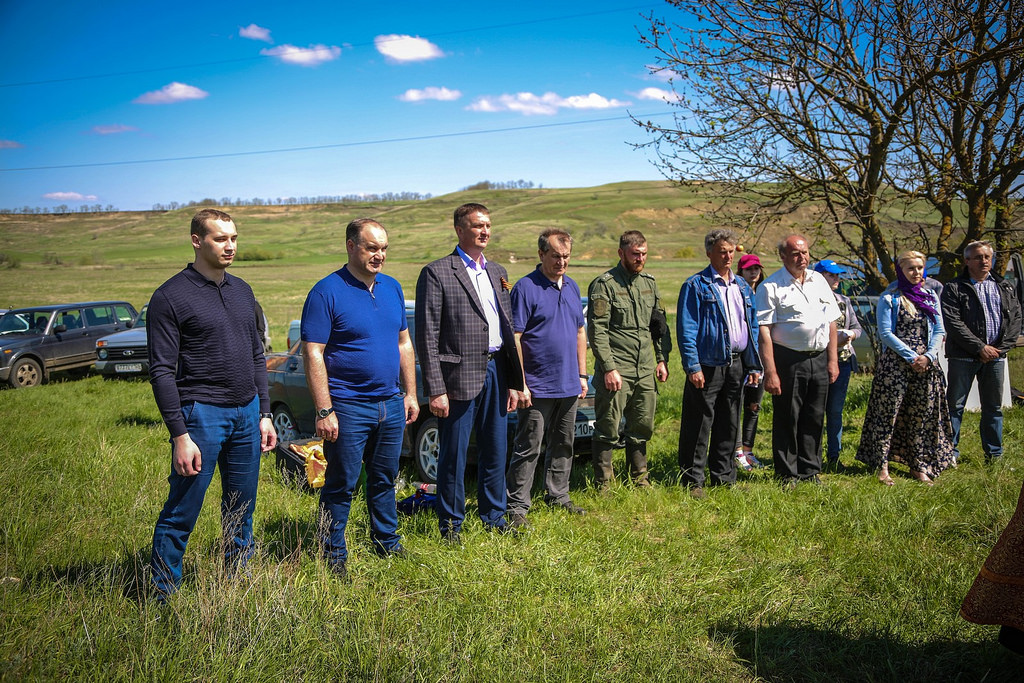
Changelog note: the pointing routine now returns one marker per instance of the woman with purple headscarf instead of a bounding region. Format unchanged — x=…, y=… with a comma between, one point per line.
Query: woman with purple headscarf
x=907, y=419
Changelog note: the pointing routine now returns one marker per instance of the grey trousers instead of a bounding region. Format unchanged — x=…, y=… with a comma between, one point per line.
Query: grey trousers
x=555, y=419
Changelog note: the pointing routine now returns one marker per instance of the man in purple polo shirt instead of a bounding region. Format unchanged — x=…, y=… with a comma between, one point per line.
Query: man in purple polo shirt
x=717, y=331
x=547, y=318
x=361, y=372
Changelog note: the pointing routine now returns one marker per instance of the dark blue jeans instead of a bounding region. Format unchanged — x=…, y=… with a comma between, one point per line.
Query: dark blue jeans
x=369, y=432
x=990, y=393
x=487, y=413
x=834, y=409
x=229, y=437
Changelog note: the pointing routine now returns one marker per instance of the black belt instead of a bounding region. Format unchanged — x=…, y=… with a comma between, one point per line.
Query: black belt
x=492, y=354
x=807, y=354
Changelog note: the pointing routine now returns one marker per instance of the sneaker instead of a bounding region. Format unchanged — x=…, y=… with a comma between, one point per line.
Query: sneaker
x=742, y=462
x=752, y=461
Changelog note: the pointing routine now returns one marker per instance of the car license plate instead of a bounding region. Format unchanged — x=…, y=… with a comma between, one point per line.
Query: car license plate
x=584, y=429
x=128, y=367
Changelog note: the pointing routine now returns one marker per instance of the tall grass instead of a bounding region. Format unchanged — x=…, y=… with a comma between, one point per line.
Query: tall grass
x=853, y=581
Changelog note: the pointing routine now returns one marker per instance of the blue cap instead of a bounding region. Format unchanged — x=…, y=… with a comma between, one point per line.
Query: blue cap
x=827, y=265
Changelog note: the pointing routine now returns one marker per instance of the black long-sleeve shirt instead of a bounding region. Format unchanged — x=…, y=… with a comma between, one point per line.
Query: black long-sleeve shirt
x=203, y=345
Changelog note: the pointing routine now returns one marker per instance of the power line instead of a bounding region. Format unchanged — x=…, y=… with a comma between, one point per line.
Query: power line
x=361, y=143
x=367, y=44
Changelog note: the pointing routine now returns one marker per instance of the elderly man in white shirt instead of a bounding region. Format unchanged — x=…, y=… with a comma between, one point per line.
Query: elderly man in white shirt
x=797, y=314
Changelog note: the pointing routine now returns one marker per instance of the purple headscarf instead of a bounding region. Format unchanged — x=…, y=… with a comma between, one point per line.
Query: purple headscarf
x=918, y=295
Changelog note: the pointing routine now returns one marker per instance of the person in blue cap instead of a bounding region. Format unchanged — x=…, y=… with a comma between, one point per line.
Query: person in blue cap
x=847, y=329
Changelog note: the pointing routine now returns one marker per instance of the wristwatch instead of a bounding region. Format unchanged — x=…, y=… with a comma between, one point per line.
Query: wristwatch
x=324, y=412
x=266, y=416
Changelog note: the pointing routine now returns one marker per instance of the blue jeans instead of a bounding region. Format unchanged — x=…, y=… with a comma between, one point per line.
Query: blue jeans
x=990, y=392
x=834, y=411
x=369, y=432
x=230, y=437
x=487, y=413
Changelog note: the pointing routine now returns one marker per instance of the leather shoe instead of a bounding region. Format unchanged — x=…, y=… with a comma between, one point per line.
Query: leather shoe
x=569, y=507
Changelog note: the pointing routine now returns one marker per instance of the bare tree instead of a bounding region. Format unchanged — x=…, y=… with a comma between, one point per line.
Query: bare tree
x=826, y=104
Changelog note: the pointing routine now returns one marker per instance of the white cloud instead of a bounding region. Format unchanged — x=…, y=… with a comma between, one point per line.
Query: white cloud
x=113, y=129
x=254, y=32
x=657, y=94
x=170, y=93
x=401, y=48
x=70, y=197
x=429, y=93
x=314, y=55
x=548, y=104
x=10, y=144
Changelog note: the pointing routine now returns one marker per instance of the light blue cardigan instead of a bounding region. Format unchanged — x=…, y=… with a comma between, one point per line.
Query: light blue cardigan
x=886, y=315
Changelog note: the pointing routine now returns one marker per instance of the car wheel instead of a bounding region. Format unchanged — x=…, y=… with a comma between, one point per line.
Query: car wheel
x=425, y=450
x=26, y=373
x=284, y=424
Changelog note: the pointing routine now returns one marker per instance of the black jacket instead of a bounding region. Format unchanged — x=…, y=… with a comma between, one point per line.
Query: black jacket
x=964, y=318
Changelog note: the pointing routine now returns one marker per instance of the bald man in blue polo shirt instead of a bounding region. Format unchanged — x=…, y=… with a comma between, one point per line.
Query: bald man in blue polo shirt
x=361, y=372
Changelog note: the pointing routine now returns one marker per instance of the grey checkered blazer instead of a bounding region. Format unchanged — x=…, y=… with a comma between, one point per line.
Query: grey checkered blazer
x=451, y=330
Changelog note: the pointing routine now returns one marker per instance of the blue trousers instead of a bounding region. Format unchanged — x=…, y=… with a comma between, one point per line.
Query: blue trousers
x=834, y=410
x=230, y=437
x=487, y=413
x=990, y=392
x=370, y=433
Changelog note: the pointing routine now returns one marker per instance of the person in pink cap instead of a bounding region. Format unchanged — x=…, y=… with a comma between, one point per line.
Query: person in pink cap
x=751, y=270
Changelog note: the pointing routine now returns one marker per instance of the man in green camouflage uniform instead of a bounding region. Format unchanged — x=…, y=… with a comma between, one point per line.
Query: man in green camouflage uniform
x=630, y=339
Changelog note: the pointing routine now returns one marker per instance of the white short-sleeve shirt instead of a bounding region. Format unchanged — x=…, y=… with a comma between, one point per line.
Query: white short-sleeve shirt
x=799, y=313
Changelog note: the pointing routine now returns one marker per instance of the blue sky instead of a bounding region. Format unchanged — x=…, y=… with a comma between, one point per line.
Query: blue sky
x=402, y=96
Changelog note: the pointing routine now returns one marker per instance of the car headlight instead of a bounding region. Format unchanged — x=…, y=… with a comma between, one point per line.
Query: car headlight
x=102, y=354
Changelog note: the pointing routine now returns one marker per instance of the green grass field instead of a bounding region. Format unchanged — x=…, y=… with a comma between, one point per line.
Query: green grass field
x=851, y=581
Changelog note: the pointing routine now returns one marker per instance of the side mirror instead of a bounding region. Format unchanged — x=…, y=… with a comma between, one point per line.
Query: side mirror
x=130, y=324
x=57, y=329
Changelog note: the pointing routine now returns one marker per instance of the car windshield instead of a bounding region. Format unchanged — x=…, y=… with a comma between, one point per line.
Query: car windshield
x=13, y=322
x=140, y=322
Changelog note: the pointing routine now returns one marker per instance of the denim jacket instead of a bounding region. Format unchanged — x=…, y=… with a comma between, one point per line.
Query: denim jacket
x=888, y=312
x=701, y=327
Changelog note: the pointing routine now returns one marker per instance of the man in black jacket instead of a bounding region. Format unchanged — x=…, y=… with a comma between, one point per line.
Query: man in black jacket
x=982, y=318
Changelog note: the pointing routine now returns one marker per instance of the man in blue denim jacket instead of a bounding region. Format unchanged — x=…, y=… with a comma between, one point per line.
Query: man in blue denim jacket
x=716, y=323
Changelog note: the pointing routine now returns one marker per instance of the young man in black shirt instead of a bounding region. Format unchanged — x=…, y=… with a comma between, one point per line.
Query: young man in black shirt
x=209, y=379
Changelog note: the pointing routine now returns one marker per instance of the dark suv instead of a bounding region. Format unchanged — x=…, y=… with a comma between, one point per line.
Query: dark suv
x=39, y=340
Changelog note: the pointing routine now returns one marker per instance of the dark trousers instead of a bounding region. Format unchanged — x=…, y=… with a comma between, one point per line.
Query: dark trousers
x=752, y=395
x=712, y=412
x=487, y=413
x=798, y=413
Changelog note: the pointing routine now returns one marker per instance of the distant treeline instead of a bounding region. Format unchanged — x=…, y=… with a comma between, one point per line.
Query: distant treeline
x=507, y=185
x=238, y=201
x=279, y=201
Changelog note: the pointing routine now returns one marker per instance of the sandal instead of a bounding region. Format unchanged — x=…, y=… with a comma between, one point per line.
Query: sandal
x=924, y=478
x=884, y=478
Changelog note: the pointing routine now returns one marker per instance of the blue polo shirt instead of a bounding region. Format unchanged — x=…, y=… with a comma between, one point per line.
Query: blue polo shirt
x=549, y=319
x=360, y=332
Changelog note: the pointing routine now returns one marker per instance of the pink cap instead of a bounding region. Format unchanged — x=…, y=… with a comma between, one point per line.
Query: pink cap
x=749, y=261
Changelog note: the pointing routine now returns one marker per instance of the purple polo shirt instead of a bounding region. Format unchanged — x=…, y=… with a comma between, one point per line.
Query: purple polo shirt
x=549, y=319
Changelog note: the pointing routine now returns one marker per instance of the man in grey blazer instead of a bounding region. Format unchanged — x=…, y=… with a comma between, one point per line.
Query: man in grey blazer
x=471, y=371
